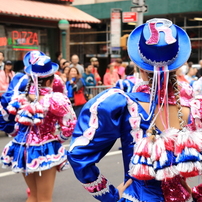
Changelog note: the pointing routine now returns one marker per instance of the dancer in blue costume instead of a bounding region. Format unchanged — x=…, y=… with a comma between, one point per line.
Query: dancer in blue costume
x=36, y=150
x=158, y=125
x=17, y=86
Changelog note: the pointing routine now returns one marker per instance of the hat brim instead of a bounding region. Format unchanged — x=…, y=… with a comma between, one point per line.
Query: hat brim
x=26, y=59
x=28, y=71
x=183, y=53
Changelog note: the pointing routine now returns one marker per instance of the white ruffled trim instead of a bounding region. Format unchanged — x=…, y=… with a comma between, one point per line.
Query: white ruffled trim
x=102, y=192
x=95, y=183
x=157, y=64
x=129, y=197
x=137, y=85
x=89, y=133
x=61, y=157
x=39, y=169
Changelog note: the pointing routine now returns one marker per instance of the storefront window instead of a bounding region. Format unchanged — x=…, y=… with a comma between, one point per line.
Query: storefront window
x=193, y=29
x=15, y=42
x=196, y=43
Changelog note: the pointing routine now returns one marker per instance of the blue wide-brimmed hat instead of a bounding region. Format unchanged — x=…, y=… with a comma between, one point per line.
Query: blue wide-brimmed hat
x=159, y=43
x=38, y=63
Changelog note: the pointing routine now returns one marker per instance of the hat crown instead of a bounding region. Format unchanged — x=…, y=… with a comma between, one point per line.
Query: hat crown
x=159, y=43
x=29, y=56
x=160, y=32
x=36, y=57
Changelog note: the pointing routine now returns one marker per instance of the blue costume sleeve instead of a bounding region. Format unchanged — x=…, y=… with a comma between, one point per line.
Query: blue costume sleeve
x=97, y=129
x=17, y=84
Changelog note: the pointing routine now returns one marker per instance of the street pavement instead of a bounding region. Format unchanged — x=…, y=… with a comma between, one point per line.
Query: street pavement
x=67, y=188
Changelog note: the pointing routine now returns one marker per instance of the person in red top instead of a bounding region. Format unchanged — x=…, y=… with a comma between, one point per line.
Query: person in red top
x=6, y=76
x=111, y=76
x=119, y=68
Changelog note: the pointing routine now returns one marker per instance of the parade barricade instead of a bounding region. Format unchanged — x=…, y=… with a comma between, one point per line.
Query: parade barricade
x=95, y=90
x=92, y=90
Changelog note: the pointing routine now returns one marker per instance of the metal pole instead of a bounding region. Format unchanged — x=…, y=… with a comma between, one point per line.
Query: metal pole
x=64, y=44
x=140, y=14
x=67, y=57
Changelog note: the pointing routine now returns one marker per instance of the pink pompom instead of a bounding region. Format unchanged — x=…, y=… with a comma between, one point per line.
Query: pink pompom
x=25, y=121
x=144, y=147
x=12, y=110
x=142, y=172
x=38, y=108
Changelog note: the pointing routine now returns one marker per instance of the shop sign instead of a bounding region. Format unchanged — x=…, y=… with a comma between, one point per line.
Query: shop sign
x=20, y=38
x=24, y=38
x=3, y=41
x=129, y=17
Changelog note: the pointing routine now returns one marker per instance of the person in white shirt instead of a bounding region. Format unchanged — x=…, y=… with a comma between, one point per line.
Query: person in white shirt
x=75, y=63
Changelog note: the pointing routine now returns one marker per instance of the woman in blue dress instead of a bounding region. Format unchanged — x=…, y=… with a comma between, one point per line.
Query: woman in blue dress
x=159, y=124
x=75, y=86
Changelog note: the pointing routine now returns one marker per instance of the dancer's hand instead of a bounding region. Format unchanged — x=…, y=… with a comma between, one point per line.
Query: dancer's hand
x=186, y=186
x=123, y=186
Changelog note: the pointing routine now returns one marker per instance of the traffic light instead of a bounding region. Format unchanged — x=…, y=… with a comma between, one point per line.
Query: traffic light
x=124, y=40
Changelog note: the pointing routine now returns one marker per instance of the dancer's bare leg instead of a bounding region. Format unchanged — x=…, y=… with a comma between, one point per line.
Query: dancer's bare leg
x=45, y=185
x=31, y=183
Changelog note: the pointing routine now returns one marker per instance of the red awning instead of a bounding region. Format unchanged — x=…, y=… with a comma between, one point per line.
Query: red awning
x=48, y=11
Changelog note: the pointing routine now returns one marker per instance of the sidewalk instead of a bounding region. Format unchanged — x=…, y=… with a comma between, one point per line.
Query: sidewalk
x=2, y=134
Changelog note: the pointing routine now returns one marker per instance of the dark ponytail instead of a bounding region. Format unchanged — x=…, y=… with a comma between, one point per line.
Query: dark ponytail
x=41, y=82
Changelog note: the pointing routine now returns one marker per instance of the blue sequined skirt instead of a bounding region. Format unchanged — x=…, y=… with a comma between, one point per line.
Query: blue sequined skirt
x=29, y=159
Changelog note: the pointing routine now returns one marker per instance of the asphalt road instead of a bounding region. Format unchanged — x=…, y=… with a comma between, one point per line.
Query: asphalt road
x=67, y=188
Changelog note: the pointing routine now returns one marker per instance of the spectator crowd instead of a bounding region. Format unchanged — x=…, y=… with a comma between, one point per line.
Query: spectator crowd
x=79, y=79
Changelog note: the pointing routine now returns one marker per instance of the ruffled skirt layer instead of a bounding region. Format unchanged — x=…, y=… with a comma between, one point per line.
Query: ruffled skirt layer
x=29, y=159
